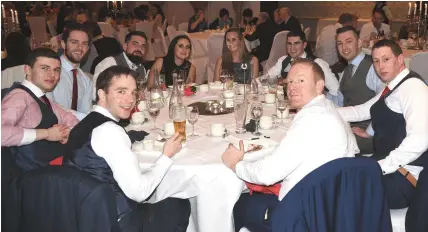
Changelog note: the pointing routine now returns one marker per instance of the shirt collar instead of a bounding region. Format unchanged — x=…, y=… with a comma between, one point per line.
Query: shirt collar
x=398, y=78
x=357, y=60
x=66, y=65
x=130, y=64
x=318, y=98
x=33, y=88
x=104, y=111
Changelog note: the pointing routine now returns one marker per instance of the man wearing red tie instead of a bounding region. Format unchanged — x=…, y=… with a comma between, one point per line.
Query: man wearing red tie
x=74, y=89
x=400, y=122
x=34, y=128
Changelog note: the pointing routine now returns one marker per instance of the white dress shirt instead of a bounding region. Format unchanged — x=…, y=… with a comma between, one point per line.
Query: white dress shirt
x=368, y=28
x=330, y=79
x=409, y=99
x=63, y=92
x=373, y=82
x=317, y=135
x=326, y=47
x=107, y=63
x=111, y=142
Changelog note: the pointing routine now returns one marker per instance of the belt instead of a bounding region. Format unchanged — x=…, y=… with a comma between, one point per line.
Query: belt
x=408, y=176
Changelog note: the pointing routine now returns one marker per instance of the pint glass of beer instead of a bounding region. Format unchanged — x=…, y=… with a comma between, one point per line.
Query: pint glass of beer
x=179, y=118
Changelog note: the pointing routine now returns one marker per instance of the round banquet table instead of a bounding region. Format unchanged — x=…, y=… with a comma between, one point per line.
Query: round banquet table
x=198, y=173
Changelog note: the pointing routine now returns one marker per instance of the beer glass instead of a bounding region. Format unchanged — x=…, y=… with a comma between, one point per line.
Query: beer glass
x=179, y=118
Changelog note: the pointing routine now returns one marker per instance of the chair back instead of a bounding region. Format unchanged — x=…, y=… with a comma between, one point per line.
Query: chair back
x=52, y=27
x=165, y=23
x=147, y=28
x=345, y=194
x=123, y=31
x=66, y=199
x=307, y=32
x=11, y=75
x=418, y=63
x=106, y=29
x=171, y=31
x=279, y=49
x=183, y=26
x=177, y=12
x=215, y=50
x=163, y=48
x=38, y=29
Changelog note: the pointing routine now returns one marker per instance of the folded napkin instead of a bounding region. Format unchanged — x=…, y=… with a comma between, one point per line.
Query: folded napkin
x=251, y=126
x=137, y=135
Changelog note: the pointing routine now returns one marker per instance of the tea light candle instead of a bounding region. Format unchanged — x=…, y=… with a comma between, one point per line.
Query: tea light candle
x=410, y=8
x=426, y=6
x=414, y=11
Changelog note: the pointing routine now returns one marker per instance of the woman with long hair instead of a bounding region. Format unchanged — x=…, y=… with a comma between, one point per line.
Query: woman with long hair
x=175, y=61
x=17, y=49
x=234, y=55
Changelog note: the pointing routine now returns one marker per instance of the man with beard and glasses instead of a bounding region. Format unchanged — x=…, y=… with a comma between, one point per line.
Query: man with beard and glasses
x=134, y=50
x=74, y=89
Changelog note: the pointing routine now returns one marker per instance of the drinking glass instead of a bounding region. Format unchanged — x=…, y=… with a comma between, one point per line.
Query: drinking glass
x=256, y=114
x=273, y=84
x=281, y=105
x=240, y=110
x=223, y=77
x=192, y=117
x=179, y=119
x=154, y=110
x=180, y=81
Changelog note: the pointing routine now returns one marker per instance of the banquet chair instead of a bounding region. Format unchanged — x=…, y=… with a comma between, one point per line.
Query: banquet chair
x=65, y=199
x=38, y=29
x=106, y=29
x=11, y=75
x=418, y=63
x=52, y=27
x=123, y=31
x=279, y=48
x=215, y=49
x=165, y=23
x=147, y=28
x=177, y=12
x=307, y=32
x=160, y=48
x=171, y=31
x=183, y=27
x=345, y=194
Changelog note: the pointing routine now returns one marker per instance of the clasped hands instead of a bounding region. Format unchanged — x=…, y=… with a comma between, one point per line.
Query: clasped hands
x=58, y=132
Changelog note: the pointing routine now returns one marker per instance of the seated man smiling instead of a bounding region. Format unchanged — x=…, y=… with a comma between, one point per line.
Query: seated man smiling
x=317, y=123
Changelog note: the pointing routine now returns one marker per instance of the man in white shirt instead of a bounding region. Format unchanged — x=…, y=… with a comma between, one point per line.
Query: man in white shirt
x=101, y=147
x=326, y=43
x=374, y=28
x=317, y=135
x=134, y=50
x=74, y=89
x=400, y=122
x=296, y=46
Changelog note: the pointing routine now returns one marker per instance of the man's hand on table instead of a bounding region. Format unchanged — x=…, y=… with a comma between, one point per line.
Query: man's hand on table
x=172, y=145
x=233, y=155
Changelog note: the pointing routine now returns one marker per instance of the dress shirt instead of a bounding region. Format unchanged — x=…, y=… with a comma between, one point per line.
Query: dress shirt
x=368, y=28
x=63, y=91
x=111, y=142
x=107, y=63
x=330, y=79
x=410, y=99
x=373, y=82
x=326, y=47
x=20, y=113
x=318, y=124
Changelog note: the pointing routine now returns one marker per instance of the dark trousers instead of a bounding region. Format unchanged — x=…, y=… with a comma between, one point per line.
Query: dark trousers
x=169, y=215
x=250, y=211
x=399, y=191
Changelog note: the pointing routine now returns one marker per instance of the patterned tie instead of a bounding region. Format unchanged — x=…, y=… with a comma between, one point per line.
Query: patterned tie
x=75, y=91
x=385, y=91
x=45, y=100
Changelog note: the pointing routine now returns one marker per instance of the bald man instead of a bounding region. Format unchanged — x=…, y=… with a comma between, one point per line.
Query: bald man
x=288, y=22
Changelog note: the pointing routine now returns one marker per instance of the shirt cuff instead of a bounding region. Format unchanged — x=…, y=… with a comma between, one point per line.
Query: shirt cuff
x=29, y=137
x=387, y=168
x=164, y=160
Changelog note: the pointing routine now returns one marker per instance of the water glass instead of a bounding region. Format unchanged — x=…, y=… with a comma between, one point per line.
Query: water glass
x=154, y=110
x=223, y=77
x=256, y=114
x=240, y=110
x=192, y=117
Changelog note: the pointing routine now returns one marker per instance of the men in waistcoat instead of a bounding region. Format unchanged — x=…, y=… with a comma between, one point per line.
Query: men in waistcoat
x=134, y=50
x=99, y=146
x=400, y=122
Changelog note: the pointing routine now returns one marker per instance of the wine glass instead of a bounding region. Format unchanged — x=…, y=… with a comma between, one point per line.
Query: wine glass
x=223, y=77
x=256, y=114
x=281, y=105
x=154, y=110
x=192, y=117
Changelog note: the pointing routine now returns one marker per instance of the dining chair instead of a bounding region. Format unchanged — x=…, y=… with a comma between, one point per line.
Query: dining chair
x=279, y=49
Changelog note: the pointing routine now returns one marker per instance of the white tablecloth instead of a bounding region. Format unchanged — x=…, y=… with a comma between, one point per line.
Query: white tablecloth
x=198, y=172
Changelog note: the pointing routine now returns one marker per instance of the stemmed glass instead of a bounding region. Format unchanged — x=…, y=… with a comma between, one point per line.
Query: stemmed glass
x=192, y=117
x=281, y=105
x=223, y=77
x=256, y=114
x=154, y=110
x=180, y=81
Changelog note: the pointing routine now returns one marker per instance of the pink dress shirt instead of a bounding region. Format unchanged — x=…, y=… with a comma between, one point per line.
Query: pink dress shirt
x=20, y=114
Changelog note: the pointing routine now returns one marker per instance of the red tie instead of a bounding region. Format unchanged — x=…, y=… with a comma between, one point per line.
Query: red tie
x=46, y=100
x=75, y=91
x=385, y=91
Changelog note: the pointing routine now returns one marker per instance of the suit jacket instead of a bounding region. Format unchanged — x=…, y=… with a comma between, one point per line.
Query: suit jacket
x=265, y=33
x=293, y=24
